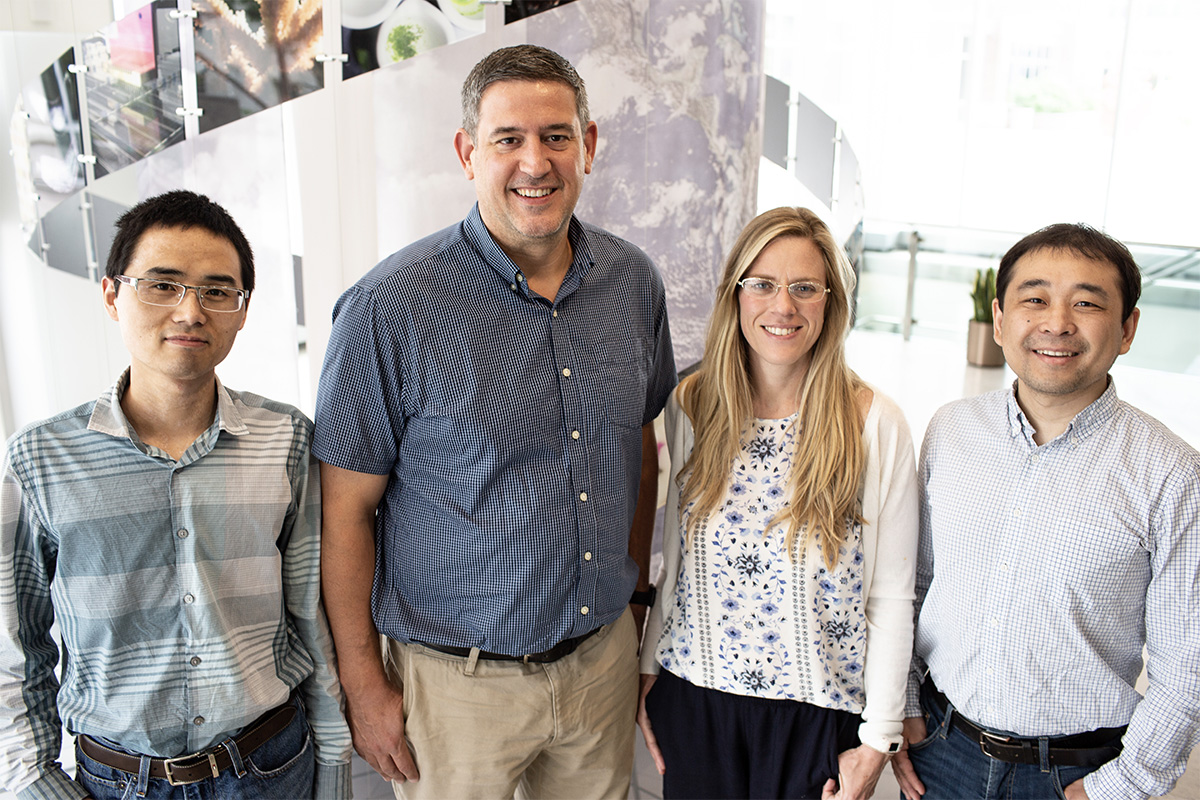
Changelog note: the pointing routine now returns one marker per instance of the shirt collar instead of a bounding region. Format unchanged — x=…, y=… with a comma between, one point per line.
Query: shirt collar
x=1083, y=425
x=108, y=416
x=581, y=255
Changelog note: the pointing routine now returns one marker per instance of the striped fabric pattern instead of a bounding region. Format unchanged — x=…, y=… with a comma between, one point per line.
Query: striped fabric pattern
x=187, y=593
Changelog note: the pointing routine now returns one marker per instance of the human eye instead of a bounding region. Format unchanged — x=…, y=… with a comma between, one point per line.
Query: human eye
x=758, y=285
x=804, y=290
x=218, y=292
x=159, y=287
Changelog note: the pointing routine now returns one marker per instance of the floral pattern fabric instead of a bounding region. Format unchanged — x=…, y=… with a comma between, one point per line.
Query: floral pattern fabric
x=749, y=620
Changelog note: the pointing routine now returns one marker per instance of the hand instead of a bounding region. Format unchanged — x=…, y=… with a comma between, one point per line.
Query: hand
x=643, y=722
x=902, y=766
x=858, y=772
x=1074, y=791
x=377, y=726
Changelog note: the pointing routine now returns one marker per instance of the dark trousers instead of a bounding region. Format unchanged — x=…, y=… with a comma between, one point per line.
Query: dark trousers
x=721, y=745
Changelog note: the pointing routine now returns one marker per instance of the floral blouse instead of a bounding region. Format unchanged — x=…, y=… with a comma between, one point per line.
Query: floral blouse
x=749, y=620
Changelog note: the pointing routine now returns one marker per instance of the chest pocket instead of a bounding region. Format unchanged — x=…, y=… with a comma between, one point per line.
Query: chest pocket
x=622, y=370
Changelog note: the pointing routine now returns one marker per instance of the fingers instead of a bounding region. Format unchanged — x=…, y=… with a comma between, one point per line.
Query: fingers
x=910, y=785
x=652, y=745
x=829, y=790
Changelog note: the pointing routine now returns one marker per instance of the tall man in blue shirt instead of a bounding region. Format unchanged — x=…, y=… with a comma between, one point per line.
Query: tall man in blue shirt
x=172, y=529
x=483, y=423
x=1060, y=531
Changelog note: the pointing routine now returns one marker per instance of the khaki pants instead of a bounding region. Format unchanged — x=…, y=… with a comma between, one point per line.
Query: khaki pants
x=488, y=728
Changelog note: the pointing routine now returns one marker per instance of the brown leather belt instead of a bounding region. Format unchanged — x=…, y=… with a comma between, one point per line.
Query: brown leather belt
x=195, y=767
x=1090, y=749
x=560, y=650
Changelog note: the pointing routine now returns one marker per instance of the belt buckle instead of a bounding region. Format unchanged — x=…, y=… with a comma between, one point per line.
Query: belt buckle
x=986, y=739
x=170, y=763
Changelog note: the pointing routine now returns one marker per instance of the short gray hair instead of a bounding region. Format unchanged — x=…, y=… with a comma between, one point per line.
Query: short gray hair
x=522, y=62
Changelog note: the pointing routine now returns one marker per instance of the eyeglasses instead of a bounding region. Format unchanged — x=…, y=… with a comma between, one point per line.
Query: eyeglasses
x=801, y=291
x=157, y=292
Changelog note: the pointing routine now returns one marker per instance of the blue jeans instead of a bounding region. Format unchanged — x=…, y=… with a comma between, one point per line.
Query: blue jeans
x=282, y=769
x=952, y=767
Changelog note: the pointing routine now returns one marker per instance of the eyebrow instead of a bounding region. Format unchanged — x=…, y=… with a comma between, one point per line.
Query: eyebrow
x=558, y=127
x=173, y=272
x=1039, y=283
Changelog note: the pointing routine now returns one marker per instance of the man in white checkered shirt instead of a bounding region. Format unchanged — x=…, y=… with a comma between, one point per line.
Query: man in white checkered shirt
x=1058, y=537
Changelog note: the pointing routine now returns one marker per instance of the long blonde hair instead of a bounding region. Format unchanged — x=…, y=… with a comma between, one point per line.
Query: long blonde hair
x=829, y=456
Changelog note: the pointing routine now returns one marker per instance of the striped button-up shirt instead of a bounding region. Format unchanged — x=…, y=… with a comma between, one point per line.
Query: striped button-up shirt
x=187, y=592
x=510, y=426
x=1044, y=569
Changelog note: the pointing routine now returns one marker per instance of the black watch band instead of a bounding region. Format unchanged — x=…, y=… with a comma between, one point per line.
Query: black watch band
x=645, y=598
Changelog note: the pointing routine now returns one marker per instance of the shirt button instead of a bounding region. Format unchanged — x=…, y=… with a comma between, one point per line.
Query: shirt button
x=182, y=533
x=520, y=277
x=991, y=671
x=566, y=372
x=189, y=599
x=1034, y=458
x=584, y=611
x=512, y=286
x=583, y=496
x=554, y=314
x=574, y=434
x=195, y=661
x=1004, y=567
x=198, y=721
x=587, y=556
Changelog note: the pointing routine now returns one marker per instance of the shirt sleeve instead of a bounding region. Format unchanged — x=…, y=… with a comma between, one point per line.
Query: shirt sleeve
x=323, y=699
x=1165, y=726
x=30, y=728
x=359, y=419
x=890, y=506
x=663, y=377
x=924, y=571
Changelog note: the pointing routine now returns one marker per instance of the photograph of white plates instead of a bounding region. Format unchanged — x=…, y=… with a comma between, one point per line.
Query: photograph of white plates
x=360, y=14
x=465, y=14
x=414, y=27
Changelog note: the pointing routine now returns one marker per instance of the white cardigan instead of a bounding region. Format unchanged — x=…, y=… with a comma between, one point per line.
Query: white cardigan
x=889, y=502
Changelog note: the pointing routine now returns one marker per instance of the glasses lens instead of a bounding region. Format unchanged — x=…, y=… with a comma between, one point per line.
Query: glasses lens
x=220, y=298
x=758, y=287
x=159, y=293
x=806, y=292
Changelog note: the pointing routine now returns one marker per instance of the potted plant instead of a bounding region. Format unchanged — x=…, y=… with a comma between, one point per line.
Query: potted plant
x=982, y=350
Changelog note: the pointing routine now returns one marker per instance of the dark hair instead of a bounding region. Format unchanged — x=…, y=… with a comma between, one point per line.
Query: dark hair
x=178, y=209
x=523, y=62
x=1085, y=241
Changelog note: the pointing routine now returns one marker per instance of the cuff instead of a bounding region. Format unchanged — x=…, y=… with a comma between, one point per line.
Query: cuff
x=886, y=737
x=1109, y=781
x=53, y=785
x=332, y=782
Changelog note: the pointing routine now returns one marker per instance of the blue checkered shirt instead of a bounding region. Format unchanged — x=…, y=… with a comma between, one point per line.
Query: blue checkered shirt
x=1043, y=570
x=187, y=593
x=510, y=427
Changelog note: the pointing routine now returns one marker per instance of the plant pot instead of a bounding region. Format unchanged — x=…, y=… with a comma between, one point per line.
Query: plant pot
x=982, y=350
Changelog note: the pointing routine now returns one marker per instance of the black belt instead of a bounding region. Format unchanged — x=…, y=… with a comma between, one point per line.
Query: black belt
x=560, y=650
x=1089, y=749
x=195, y=767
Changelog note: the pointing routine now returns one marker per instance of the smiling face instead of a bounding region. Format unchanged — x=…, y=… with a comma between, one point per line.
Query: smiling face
x=184, y=343
x=1061, y=327
x=528, y=163
x=780, y=331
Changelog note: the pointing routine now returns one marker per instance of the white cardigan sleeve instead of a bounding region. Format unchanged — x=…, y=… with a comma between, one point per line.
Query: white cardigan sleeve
x=890, y=548
x=679, y=447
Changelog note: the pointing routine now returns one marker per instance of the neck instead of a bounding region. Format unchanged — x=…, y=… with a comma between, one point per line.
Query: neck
x=169, y=415
x=544, y=264
x=1050, y=415
x=776, y=393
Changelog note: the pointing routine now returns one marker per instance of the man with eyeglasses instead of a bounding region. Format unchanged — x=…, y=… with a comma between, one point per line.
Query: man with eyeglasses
x=481, y=426
x=172, y=530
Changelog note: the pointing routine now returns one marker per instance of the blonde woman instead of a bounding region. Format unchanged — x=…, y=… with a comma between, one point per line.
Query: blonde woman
x=785, y=623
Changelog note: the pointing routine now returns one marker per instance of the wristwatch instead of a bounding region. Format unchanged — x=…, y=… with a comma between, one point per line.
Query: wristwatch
x=645, y=598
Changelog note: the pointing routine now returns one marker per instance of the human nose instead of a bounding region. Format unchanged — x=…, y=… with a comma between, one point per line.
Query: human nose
x=1059, y=320
x=189, y=308
x=534, y=159
x=783, y=302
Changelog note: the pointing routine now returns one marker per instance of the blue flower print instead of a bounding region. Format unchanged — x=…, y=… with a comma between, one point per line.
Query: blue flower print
x=770, y=609
x=771, y=637
x=826, y=585
x=737, y=490
x=753, y=680
x=733, y=633
x=735, y=518
x=775, y=492
x=729, y=604
x=749, y=564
